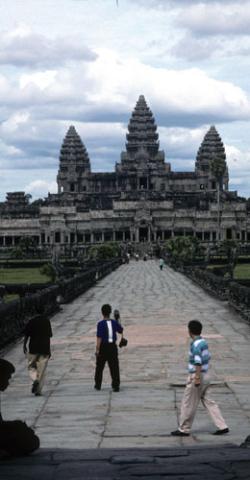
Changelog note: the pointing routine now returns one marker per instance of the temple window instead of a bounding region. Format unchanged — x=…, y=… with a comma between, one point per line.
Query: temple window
x=57, y=237
x=143, y=183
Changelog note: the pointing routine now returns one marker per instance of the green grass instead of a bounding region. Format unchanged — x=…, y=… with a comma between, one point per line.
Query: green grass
x=242, y=271
x=9, y=298
x=22, y=275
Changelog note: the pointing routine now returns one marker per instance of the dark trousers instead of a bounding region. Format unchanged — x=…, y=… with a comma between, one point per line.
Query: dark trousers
x=108, y=353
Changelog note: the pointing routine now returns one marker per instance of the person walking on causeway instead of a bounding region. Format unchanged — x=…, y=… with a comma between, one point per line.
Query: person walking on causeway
x=197, y=386
x=39, y=332
x=106, y=349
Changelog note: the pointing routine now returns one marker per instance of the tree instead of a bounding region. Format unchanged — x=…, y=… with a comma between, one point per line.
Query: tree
x=218, y=167
x=230, y=249
x=182, y=249
x=104, y=251
x=49, y=270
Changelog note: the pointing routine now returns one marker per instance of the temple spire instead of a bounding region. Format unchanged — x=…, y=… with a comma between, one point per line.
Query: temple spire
x=74, y=163
x=211, y=147
x=142, y=129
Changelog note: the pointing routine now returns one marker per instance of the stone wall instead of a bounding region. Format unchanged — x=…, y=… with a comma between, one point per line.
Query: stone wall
x=237, y=295
x=16, y=314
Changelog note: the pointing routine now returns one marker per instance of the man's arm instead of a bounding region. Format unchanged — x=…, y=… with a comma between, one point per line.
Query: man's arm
x=98, y=345
x=197, y=377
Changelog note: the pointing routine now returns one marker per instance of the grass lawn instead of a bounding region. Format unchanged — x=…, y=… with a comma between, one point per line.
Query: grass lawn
x=22, y=275
x=242, y=271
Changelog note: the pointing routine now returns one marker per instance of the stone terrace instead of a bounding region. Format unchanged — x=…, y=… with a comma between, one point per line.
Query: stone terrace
x=80, y=427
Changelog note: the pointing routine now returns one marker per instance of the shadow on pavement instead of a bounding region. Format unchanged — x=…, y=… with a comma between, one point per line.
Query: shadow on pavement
x=217, y=463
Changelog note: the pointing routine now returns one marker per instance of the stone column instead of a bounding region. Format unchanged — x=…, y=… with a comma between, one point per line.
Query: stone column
x=91, y=237
x=137, y=235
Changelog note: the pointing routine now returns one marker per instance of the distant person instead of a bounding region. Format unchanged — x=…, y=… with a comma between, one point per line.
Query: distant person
x=106, y=349
x=197, y=386
x=16, y=438
x=161, y=263
x=39, y=333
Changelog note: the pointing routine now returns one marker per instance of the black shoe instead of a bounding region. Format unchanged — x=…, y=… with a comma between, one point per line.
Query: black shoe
x=221, y=432
x=97, y=388
x=34, y=386
x=38, y=394
x=116, y=389
x=178, y=433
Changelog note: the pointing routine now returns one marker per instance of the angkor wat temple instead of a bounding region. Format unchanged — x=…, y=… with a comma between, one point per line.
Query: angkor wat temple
x=143, y=200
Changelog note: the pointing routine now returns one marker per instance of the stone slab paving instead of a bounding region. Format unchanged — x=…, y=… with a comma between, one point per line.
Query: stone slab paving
x=71, y=416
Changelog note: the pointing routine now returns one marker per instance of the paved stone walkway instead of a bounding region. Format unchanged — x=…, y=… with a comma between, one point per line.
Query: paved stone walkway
x=155, y=307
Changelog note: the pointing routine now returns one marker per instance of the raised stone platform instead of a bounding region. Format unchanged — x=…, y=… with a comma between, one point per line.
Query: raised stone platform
x=77, y=420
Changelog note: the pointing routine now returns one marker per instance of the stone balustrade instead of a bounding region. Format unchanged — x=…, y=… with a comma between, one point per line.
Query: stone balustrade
x=15, y=315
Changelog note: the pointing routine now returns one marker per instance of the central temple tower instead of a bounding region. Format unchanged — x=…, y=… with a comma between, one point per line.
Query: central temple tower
x=142, y=161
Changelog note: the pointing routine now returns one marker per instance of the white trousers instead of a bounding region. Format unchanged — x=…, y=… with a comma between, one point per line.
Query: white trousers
x=191, y=398
x=36, y=366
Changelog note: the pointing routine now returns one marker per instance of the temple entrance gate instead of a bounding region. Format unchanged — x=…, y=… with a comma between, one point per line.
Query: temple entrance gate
x=143, y=234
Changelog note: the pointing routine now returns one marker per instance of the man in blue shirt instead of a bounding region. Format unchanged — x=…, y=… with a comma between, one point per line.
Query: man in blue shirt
x=197, y=386
x=106, y=349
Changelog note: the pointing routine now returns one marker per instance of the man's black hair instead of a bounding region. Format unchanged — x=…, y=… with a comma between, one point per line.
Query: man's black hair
x=106, y=310
x=195, y=327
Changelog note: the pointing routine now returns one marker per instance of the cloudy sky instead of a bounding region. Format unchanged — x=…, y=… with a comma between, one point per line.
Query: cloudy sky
x=85, y=62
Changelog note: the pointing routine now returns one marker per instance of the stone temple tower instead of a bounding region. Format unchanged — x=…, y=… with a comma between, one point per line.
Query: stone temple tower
x=211, y=148
x=74, y=167
x=142, y=159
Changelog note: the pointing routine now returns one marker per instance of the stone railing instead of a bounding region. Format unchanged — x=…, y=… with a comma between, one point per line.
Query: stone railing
x=15, y=315
x=209, y=281
x=237, y=295
x=239, y=298
x=71, y=288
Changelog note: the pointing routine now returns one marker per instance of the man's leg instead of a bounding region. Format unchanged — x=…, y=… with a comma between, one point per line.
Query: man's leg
x=213, y=410
x=190, y=402
x=113, y=363
x=100, y=364
x=32, y=366
x=42, y=363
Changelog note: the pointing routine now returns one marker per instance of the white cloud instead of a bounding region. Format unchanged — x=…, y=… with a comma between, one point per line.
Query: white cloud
x=116, y=84
x=216, y=19
x=14, y=121
x=24, y=48
x=40, y=79
x=40, y=188
x=182, y=143
x=107, y=89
